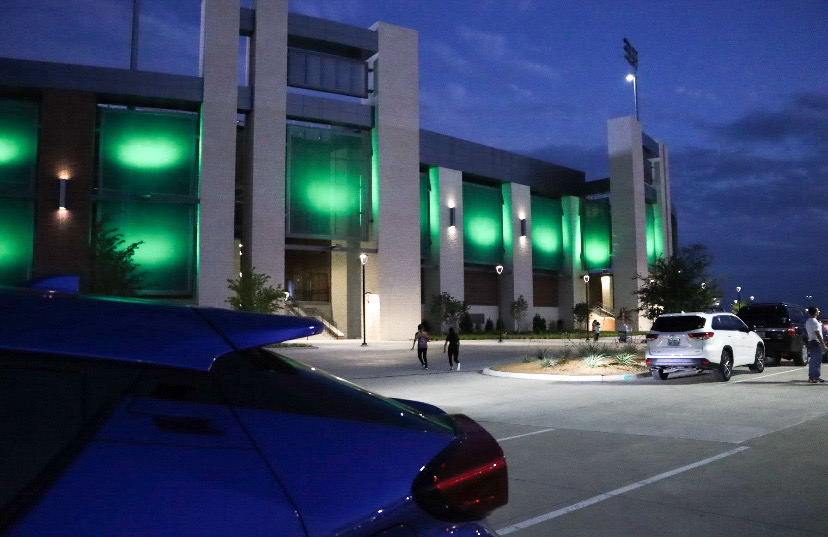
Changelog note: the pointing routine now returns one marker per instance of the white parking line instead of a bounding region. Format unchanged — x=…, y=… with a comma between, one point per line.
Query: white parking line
x=769, y=375
x=616, y=492
x=522, y=435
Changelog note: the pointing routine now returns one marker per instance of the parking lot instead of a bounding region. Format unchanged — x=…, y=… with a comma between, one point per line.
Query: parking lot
x=688, y=456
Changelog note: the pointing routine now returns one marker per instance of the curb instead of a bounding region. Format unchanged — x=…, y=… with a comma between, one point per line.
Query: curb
x=566, y=378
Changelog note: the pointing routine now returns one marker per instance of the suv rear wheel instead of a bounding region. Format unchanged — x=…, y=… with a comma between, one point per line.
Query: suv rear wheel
x=802, y=357
x=759, y=363
x=725, y=370
x=658, y=374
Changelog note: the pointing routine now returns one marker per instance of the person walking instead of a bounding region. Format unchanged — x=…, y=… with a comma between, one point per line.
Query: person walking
x=596, y=327
x=421, y=341
x=816, y=344
x=453, y=345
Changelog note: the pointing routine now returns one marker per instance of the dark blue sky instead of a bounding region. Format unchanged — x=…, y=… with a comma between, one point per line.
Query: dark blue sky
x=736, y=90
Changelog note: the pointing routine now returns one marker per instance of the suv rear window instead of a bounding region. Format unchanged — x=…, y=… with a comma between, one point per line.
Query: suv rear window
x=679, y=323
x=768, y=316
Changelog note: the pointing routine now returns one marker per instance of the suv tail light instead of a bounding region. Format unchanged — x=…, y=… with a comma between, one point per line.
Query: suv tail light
x=700, y=335
x=652, y=337
x=791, y=330
x=468, y=479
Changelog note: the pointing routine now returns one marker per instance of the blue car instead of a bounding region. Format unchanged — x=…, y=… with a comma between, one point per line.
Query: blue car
x=123, y=417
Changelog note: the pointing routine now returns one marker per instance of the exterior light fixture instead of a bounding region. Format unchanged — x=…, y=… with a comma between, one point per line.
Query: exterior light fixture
x=363, y=258
x=62, y=194
x=499, y=270
x=451, y=216
x=522, y=227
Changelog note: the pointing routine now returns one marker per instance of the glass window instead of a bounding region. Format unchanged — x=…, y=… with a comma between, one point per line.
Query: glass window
x=596, y=234
x=678, y=323
x=547, y=233
x=482, y=224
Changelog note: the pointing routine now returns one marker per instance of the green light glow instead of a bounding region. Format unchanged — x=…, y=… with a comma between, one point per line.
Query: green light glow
x=18, y=142
x=324, y=197
x=482, y=224
x=596, y=234
x=9, y=150
x=16, y=240
x=655, y=234
x=150, y=153
x=547, y=233
x=168, y=252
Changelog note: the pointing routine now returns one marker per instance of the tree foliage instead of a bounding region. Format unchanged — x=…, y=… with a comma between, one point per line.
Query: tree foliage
x=251, y=292
x=518, y=308
x=678, y=283
x=113, y=271
x=581, y=312
x=448, y=309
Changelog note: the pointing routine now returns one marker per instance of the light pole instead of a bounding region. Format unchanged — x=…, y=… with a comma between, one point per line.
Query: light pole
x=363, y=258
x=739, y=294
x=499, y=270
x=632, y=78
x=586, y=288
x=809, y=297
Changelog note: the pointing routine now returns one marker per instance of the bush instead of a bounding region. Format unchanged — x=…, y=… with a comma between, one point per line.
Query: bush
x=489, y=326
x=113, y=268
x=466, y=325
x=251, y=292
x=538, y=324
x=594, y=360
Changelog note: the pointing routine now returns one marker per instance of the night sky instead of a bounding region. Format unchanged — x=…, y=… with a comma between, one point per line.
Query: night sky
x=736, y=90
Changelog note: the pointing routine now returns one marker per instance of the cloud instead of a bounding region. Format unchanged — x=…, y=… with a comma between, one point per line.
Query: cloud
x=538, y=69
x=803, y=118
x=448, y=55
x=487, y=43
x=696, y=94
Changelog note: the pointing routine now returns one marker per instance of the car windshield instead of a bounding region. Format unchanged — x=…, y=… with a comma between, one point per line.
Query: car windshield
x=767, y=316
x=678, y=323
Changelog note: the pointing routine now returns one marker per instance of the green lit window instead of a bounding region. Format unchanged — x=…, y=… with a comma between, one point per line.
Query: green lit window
x=655, y=235
x=148, y=185
x=148, y=152
x=482, y=224
x=547, y=233
x=425, y=222
x=18, y=158
x=328, y=183
x=596, y=233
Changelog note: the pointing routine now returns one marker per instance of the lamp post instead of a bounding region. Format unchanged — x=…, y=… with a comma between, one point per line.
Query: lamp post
x=739, y=294
x=632, y=78
x=586, y=288
x=499, y=270
x=363, y=258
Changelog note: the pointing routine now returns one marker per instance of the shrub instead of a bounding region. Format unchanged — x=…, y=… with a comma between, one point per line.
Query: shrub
x=538, y=324
x=489, y=326
x=466, y=325
x=625, y=359
x=543, y=354
x=594, y=360
x=549, y=362
x=251, y=292
x=113, y=269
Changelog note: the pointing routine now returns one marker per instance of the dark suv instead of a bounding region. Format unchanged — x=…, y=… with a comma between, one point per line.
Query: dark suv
x=782, y=327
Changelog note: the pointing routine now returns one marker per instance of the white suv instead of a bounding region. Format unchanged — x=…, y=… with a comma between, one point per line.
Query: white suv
x=702, y=341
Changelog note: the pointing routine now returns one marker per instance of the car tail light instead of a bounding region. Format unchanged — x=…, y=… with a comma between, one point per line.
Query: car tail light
x=792, y=330
x=652, y=337
x=700, y=335
x=468, y=479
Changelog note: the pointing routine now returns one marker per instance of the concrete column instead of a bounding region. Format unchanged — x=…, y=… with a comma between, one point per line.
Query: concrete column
x=395, y=273
x=571, y=288
x=219, y=67
x=452, y=269
x=665, y=201
x=520, y=261
x=629, y=216
x=264, y=199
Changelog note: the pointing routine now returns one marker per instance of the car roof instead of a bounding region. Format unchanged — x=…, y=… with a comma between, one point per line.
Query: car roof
x=136, y=330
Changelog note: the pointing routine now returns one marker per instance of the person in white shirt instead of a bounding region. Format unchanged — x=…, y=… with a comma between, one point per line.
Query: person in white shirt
x=816, y=344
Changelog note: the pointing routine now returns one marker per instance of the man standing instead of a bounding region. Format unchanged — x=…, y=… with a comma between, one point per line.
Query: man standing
x=816, y=344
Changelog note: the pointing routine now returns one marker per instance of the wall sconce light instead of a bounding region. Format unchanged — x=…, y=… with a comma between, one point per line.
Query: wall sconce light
x=62, y=193
x=522, y=227
x=451, y=216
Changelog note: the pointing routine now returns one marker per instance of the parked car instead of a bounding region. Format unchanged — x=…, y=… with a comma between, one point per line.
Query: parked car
x=702, y=341
x=782, y=327
x=132, y=418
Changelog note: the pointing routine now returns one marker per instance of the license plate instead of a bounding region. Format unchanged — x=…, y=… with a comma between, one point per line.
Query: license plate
x=674, y=342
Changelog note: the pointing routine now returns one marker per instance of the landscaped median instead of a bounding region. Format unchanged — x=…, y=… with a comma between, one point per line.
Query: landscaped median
x=585, y=362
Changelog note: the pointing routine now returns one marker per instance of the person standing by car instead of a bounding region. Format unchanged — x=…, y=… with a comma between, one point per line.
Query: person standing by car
x=421, y=341
x=453, y=344
x=816, y=344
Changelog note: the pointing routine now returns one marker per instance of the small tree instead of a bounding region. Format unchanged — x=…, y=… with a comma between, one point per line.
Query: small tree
x=446, y=308
x=538, y=324
x=252, y=293
x=678, y=283
x=518, y=309
x=581, y=312
x=113, y=271
x=466, y=325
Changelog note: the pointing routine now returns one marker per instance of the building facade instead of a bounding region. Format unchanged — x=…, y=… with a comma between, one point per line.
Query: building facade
x=297, y=152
